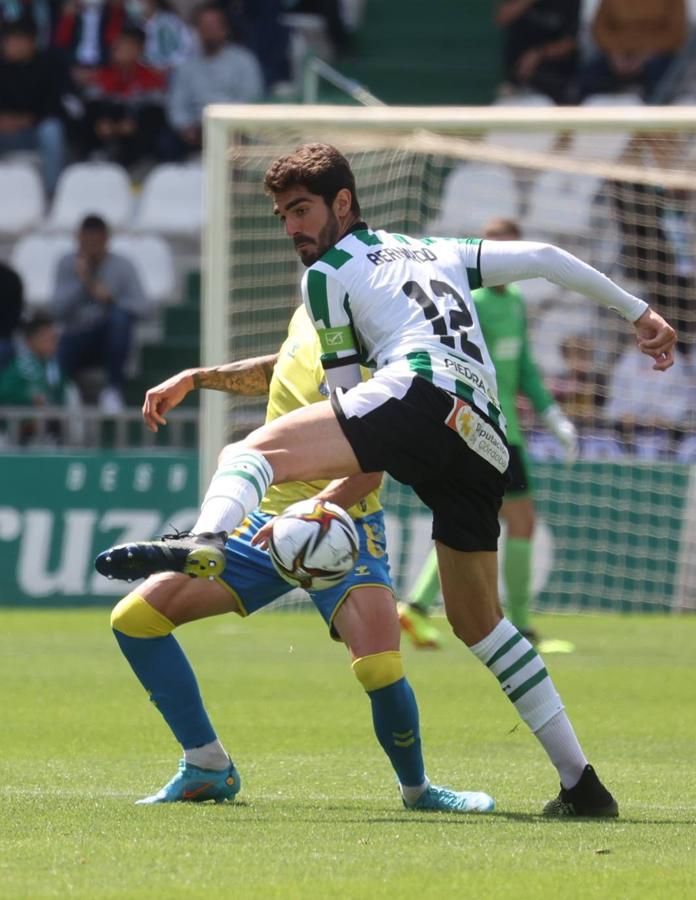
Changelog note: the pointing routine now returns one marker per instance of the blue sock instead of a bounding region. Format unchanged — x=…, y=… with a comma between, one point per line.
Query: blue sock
x=395, y=717
x=167, y=676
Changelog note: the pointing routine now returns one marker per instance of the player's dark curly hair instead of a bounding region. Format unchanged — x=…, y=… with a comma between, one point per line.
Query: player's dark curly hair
x=320, y=168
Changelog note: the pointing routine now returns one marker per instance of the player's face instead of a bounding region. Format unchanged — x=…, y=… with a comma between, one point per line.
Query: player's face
x=312, y=225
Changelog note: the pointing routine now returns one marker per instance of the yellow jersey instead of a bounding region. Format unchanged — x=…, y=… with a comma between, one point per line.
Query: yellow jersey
x=298, y=380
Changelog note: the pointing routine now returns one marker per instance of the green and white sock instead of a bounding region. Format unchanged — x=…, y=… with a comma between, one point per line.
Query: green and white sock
x=427, y=587
x=238, y=486
x=518, y=578
x=526, y=683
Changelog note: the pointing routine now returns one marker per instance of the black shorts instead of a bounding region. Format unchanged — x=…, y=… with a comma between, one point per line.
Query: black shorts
x=518, y=476
x=407, y=436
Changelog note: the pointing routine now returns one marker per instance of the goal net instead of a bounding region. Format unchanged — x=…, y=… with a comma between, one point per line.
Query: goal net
x=616, y=530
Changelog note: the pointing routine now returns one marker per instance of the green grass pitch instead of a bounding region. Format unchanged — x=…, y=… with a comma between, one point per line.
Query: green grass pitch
x=318, y=815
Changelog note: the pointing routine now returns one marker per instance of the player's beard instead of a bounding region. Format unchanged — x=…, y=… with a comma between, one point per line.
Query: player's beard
x=313, y=249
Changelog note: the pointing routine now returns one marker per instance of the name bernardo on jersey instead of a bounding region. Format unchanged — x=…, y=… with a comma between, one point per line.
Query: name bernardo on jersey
x=392, y=254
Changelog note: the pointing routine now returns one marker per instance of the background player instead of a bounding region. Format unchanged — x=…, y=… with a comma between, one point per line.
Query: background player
x=360, y=610
x=430, y=415
x=501, y=312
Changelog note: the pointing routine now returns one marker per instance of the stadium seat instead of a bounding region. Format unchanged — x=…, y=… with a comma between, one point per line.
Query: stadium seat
x=153, y=259
x=561, y=203
x=22, y=198
x=622, y=98
x=473, y=194
x=102, y=189
x=532, y=141
x=570, y=315
x=35, y=257
x=611, y=144
x=172, y=201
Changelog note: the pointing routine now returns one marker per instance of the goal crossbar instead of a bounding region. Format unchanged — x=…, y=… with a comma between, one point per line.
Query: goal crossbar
x=454, y=118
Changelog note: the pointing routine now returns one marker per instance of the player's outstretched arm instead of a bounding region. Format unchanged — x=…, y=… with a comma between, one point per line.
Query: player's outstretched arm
x=504, y=261
x=248, y=377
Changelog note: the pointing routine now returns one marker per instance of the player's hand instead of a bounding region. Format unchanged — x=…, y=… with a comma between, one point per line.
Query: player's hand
x=165, y=396
x=564, y=431
x=656, y=338
x=263, y=536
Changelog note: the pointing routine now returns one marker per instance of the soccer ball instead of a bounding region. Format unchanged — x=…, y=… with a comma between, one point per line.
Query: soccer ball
x=314, y=544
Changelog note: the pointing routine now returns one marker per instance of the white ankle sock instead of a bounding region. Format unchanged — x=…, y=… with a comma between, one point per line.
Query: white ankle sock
x=558, y=739
x=209, y=756
x=238, y=486
x=411, y=794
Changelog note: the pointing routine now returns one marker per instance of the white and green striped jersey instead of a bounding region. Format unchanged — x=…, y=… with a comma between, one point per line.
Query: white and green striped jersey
x=393, y=301
x=387, y=300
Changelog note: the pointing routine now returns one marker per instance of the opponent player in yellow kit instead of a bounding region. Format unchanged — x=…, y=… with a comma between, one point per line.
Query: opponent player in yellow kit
x=360, y=610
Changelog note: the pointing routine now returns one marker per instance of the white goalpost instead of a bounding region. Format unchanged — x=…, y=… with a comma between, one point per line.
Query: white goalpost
x=614, y=185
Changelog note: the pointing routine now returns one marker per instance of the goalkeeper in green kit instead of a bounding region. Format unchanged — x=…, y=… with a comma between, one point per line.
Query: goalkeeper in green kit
x=501, y=312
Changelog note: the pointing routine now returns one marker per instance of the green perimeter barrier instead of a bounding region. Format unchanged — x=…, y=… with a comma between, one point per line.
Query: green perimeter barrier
x=610, y=535
x=57, y=512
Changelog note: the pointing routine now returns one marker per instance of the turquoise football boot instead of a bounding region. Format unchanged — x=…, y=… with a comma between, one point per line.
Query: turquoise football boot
x=192, y=784
x=440, y=799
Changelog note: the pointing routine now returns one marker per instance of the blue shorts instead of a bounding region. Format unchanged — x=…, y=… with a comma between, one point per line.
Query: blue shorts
x=251, y=578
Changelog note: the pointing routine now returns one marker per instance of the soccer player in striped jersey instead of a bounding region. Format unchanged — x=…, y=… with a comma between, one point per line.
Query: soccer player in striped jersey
x=360, y=610
x=502, y=315
x=430, y=416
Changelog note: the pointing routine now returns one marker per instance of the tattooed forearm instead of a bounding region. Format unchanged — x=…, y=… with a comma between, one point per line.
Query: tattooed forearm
x=249, y=377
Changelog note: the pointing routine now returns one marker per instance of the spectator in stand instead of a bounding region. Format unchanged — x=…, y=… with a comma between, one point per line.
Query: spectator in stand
x=86, y=30
x=645, y=406
x=257, y=24
x=34, y=377
x=580, y=389
x=168, y=39
x=637, y=41
x=540, y=45
x=97, y=298
x=11, y=303
x=30, y=87
x=124, y=112
x=330, y=11
x=218, y=72
x=41, y=12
